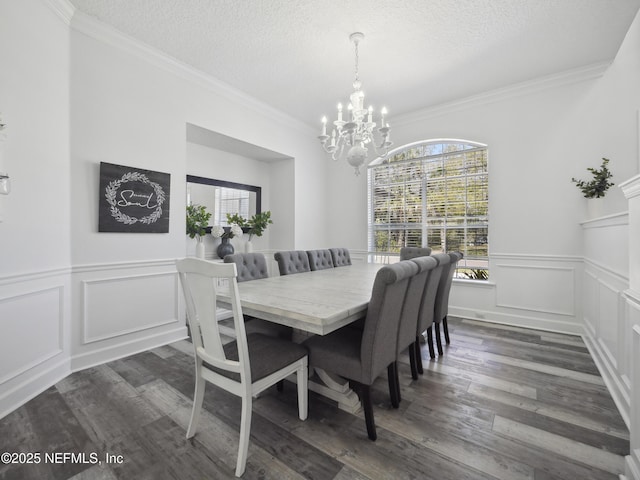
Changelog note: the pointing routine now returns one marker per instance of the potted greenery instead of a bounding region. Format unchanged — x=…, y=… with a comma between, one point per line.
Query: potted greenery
x=600, y=183
x=256, y=225
x=197, y=223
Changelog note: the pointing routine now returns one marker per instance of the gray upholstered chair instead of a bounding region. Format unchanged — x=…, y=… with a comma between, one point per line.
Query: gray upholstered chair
x=319, y=259
x=340, y=257
x=411, y=312
x=442, y=298
x=362, y=355
x=428, y=306
x=294, y=261
x=253, y=266
x=244, y=367
x=407, y=253
x=454, y=257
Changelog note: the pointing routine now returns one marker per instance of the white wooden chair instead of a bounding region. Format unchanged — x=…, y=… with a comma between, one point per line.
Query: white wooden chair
x=246, y=366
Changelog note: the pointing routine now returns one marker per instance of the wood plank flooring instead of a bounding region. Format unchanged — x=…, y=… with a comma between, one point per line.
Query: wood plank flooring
x=503, y=402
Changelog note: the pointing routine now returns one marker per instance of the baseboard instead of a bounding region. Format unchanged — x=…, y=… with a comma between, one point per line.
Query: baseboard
x=535, y=323
x=109, y=353
x=608, y=373
x=632, y=466
x=33, y=386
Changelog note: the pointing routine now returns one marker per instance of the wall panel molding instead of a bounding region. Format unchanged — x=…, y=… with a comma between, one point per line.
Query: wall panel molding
x=104, y=318
x=535, y=300
x=51, y=298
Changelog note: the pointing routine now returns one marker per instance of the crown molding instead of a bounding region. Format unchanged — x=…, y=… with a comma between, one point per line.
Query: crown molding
x=102, y=32
x=631, y=187
x=568, y=77
x=62, y=8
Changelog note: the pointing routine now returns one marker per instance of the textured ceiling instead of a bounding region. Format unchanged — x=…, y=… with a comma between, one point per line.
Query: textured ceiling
x=295, y=55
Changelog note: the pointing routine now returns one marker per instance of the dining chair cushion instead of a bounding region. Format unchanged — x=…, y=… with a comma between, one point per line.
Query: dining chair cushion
x=294, y=261
x=407, y=253
x=319, y=259
x=250, y=266
x=267, y=354
x=340, y=257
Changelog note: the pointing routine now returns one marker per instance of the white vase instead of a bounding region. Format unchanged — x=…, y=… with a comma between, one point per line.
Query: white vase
x=200, y=248
x=248, y=247
x=595, y=208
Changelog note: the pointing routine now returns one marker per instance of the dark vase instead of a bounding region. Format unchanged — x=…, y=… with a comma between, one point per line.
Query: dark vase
x=225, y=248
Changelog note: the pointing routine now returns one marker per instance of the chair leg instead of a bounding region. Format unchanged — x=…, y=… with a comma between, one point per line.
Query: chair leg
x=302, y=377
x=413, y=361
x=245, y=432
x=198, y=397
x=432, y=353
x=418, y=356
x=394, y=386
x=445, y=327
x=365, y=397
x=438, y=339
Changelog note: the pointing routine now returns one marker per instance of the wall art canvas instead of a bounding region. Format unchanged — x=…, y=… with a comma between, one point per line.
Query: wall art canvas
x=133, y=200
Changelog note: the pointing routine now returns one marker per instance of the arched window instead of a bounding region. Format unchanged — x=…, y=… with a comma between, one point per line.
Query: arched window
x=432, y=194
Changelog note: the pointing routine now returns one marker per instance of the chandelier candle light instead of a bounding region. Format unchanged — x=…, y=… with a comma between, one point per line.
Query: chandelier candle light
x=354, y=135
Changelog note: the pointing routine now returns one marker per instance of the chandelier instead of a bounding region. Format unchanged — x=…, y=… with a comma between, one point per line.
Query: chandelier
x=352, y=138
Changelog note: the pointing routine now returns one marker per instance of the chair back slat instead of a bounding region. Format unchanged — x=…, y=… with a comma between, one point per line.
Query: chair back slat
x=199, y=279
x=379, y=337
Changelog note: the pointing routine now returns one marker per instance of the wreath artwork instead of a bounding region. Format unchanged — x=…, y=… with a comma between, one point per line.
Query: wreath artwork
x=133, y=200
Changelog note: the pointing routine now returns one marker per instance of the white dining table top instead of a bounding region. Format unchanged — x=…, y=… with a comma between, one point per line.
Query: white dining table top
x=317, y=302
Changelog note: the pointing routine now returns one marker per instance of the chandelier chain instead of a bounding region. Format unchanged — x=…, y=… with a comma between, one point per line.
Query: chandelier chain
x=357, y=58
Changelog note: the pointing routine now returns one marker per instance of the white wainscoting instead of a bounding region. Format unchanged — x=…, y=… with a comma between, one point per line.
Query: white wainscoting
x=633, y=459
x=124, y=308
x=532, y=291
x=607, y=312
x=34, y=346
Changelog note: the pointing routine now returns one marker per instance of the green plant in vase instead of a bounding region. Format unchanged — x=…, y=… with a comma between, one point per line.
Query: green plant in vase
x=600, y=183
x=197, y=221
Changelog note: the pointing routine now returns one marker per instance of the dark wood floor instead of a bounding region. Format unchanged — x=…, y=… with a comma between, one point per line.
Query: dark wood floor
x=502, y=402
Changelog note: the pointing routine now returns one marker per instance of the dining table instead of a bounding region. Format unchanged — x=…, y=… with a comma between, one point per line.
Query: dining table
x=312, y=303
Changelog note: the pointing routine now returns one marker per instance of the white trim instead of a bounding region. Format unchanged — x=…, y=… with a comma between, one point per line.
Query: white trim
x=107, y=34
x=48, y=355
x=541, y=324
x=567, y=77
x=85, y=300
x=170, y=262
x=30, y=388
x=98, y=356
x=571, y=270
x=618, y=275
x=536, y=257
x=610, y=377
x=613, y=220
x=30, y=276
x=631, y=187
x=62, y=8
